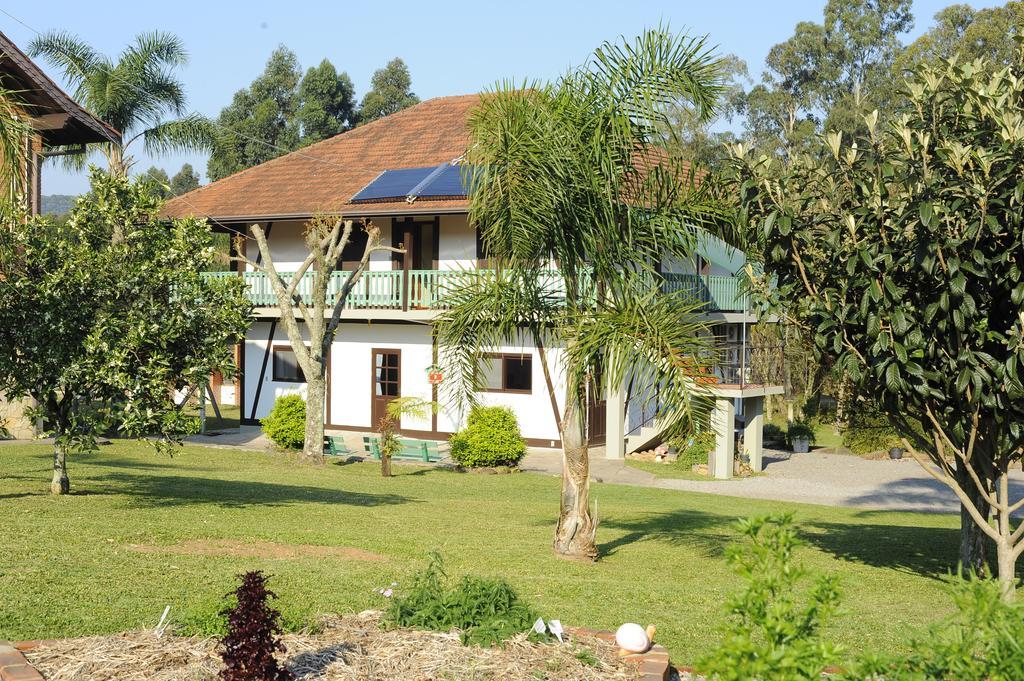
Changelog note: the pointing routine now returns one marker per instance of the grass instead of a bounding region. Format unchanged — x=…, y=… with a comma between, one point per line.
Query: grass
x=666, y=470
x=71, y=565
x=825, y=434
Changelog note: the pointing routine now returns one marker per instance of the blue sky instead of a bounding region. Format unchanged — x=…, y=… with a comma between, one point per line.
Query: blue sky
x=450, y=47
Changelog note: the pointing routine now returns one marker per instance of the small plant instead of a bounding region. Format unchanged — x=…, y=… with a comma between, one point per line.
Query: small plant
x=800, y=430
x=772, y=433
x=286, y=423
x=388, y=426
x=869, y=431
x=487, y=611
x=491, y=438
x=253, y=629
x=772, y=635
x=695, y=450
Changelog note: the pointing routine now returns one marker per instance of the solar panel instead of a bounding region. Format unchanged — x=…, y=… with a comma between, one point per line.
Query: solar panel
x=392, y=184
x=413, y=183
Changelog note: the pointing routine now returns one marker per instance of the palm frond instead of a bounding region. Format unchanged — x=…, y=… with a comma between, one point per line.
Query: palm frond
x=75, y=58
x=488, y=310
x=658, y=341
x=14, y=135
x=192, y=133
x=155, y=49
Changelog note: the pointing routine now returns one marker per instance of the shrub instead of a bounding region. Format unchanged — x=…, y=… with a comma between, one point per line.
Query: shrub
x=491, y=438
x=487, y=611
x=800, y=430
x=286, y=424
x=772, y=432
x=981, y=642
x=868, y=431
x=695, y=450
x=252, y=639
x=773, y=634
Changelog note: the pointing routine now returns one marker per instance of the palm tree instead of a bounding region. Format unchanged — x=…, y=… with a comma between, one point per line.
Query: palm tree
x=576, y=175
x=15, y=132
x=138, y=94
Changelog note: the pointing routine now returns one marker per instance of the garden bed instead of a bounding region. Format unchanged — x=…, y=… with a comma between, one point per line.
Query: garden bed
x=344, y=648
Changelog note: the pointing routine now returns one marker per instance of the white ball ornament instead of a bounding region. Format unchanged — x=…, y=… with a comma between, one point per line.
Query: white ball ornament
x=632, y=638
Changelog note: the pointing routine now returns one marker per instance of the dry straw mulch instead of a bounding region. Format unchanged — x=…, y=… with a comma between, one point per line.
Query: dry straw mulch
x=346, y=649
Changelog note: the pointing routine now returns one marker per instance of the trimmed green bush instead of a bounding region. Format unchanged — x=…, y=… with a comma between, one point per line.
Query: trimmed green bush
x=869, y=431
x=695, y=450
x=286, y=424
x=491, y=438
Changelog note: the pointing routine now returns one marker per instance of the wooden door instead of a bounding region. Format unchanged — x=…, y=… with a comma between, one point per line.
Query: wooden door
x=387, y=383
x=597, y=413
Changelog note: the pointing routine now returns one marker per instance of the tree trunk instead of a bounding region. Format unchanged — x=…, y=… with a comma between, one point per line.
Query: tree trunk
x=60, y=484
x=973, y=540
x=316, y=395
x=385, y=465
x=574, y=535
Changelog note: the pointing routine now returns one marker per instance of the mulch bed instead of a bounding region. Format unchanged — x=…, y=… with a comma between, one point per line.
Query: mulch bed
x=345, y=649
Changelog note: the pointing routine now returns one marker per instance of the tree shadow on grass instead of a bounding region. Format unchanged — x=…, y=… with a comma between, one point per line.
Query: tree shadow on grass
x=184, y=490
x=708, y=533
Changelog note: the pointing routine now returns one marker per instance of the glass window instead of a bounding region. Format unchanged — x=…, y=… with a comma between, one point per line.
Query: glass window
x=286, y=366
x=507, y=373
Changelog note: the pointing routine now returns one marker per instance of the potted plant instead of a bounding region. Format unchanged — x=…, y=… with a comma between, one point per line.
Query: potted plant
x=801, y=436
x=896, y=453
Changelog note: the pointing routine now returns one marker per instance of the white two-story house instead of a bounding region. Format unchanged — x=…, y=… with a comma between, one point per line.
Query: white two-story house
x=402, y=173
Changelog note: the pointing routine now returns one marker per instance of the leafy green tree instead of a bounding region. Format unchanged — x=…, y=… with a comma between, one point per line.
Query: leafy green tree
x=901, y=251
x=830, y=72
x=326, y=103
x=576, y=174
x=97, y=330
x=970, y=33
x=259, y=124
x=158, y=181
x=185, y=180
x=390, y=92
x=138, y=94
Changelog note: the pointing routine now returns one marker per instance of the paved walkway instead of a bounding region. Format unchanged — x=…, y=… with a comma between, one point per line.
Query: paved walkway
x=813, y=478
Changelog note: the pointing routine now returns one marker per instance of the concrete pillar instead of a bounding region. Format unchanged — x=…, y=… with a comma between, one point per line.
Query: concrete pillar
x=753, y=410
x=723, y=423
x=615, y=422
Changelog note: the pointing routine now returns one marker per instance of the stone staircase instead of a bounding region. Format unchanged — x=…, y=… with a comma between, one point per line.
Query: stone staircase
x=648, y=436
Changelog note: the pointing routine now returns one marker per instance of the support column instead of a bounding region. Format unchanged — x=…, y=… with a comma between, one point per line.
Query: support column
x=753, y=410
x=615, y=422
x=723, y=423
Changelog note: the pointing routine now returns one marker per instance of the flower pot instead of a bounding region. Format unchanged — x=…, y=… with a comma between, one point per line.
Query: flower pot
x=896, y=453
x=801, y=446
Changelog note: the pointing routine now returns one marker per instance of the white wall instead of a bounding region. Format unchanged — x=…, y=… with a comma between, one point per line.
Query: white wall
x=457, y=244
x=255, y=351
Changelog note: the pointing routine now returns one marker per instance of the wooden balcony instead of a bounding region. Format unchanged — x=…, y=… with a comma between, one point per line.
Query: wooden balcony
x=425, y=290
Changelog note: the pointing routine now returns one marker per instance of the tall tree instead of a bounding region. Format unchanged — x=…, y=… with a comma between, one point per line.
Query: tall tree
x=138, y=94
x=88, y=320
x=185, y=180
x=259, y=124
x=834, y=71
x=901, y=251
x=158, y=181
x=577, y=173
x=329, y=240
x=961, y=30
x=390, y=92
x=326, y=103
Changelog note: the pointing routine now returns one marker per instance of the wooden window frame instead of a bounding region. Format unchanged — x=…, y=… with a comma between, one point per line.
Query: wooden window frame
x=273, y=364
x=501, y=357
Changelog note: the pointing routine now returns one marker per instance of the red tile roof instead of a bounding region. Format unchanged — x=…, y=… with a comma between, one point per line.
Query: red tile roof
x=324, y=176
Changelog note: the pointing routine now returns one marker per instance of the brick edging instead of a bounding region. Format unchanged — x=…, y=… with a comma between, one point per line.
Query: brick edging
x=14, y=666
x=653, y=665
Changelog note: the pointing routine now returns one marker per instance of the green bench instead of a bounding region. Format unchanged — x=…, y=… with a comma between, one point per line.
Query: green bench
x=414, y=450
x=334, y=445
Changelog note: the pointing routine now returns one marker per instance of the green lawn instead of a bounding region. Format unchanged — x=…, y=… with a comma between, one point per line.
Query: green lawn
x=229, y=416
x=666, y=470
x=68, y=566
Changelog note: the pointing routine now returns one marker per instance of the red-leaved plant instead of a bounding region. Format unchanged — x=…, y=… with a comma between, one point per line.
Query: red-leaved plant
x=252, y=639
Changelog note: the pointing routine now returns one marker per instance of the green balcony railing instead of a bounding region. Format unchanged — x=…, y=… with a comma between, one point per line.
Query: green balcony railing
x=427, y=289
x=716, y=293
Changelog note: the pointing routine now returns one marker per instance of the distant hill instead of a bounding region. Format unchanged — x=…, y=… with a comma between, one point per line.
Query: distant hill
x=58, y=204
